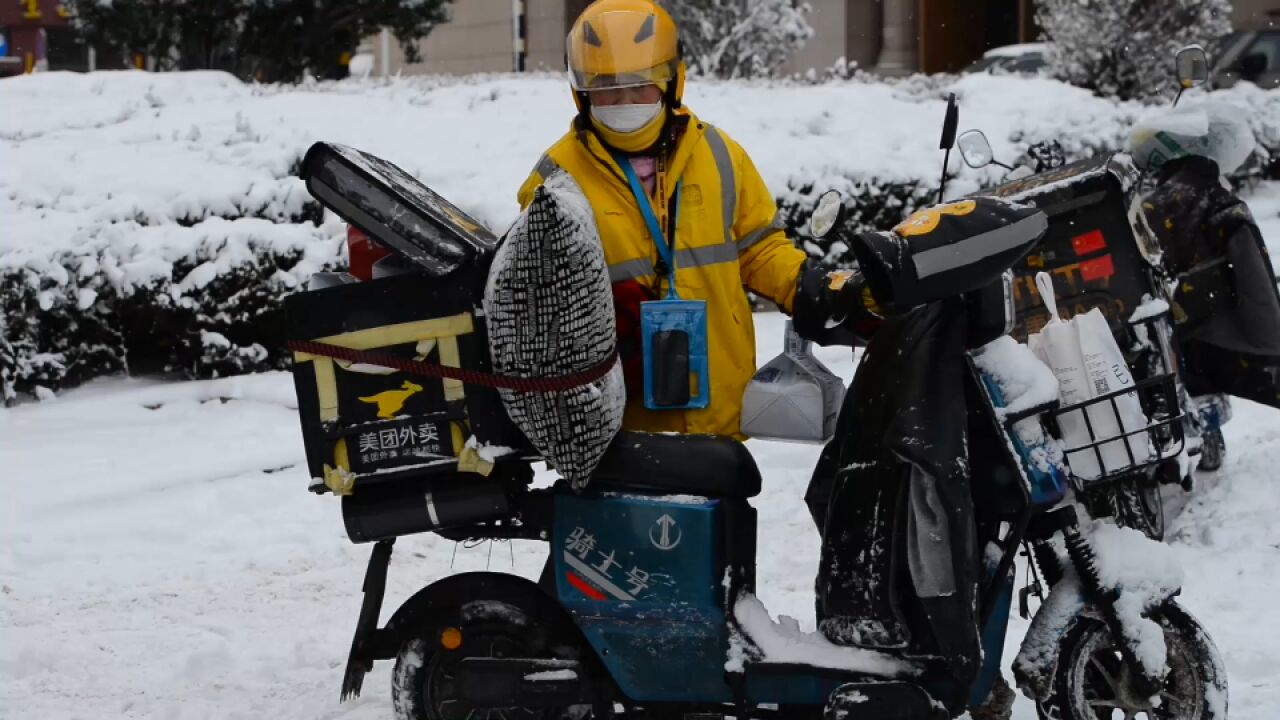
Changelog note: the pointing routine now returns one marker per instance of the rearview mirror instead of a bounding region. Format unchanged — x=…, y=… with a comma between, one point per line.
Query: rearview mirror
x=827, y=214
x=1192, y=67
x=975, y=149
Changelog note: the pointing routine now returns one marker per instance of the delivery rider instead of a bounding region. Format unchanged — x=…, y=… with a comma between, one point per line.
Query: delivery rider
x=683, y=215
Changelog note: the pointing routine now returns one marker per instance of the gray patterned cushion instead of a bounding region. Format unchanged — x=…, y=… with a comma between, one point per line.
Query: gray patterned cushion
x=549, y=310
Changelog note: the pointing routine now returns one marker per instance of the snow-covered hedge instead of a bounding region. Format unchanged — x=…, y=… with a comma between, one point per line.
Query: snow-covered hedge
x=153, y=222
x=213, y=310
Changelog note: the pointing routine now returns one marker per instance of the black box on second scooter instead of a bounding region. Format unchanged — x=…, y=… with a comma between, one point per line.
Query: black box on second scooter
x=1091, y=251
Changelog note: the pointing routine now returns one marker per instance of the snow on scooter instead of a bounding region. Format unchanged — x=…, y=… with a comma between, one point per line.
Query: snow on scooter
x=648, y=606
x=1102, y=253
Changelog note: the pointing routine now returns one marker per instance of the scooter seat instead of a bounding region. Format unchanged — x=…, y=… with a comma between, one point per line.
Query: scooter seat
x=679, y=464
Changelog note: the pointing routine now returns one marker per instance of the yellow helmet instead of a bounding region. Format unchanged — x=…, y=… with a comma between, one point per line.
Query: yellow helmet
x=624, y=43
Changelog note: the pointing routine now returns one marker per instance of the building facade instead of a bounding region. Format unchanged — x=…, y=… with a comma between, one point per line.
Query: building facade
x=484, y=35
x=887, y=36
x=26, y=29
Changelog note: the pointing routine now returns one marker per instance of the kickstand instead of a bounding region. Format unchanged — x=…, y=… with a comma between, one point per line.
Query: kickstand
x=375, y=585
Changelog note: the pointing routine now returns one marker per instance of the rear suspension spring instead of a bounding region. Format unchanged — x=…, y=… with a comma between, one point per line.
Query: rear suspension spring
x=1047, y=560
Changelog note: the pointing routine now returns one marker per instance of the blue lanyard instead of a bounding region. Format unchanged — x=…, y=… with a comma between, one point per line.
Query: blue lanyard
x=665, y=251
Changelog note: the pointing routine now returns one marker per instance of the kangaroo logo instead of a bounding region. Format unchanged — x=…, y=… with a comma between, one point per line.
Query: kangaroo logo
x=663, y=527
x=390, y=402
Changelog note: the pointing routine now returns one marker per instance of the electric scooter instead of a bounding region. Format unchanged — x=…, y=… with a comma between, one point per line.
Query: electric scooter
x=1101, y=254
x=647, y=607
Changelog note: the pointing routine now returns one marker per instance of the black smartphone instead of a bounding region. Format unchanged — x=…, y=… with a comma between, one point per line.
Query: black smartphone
x=669, y=364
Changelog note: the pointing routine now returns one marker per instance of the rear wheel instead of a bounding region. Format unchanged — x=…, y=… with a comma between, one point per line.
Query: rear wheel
x=1093, y=682
x=424, y=684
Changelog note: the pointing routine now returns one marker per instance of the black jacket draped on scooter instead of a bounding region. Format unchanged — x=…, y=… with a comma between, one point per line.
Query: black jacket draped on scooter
x=899, y=557
x=891, y=493
x=1228, y=309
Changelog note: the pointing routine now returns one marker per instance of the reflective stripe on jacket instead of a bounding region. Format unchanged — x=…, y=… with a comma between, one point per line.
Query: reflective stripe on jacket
x=728, y=235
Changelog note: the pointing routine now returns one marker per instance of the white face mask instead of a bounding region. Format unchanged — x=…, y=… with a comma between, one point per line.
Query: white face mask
x=625, y=118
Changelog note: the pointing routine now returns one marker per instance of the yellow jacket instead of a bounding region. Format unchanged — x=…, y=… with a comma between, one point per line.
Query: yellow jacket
x=728, y=236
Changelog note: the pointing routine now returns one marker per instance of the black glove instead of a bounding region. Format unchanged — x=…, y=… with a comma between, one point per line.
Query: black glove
x=833, y=307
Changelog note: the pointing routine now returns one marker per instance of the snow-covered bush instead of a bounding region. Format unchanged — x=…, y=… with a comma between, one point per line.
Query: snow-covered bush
x=216, y=311
x=1125, y=48
x=1262, y=107
x=870, y=204
x=154, y=222
x=740, y=38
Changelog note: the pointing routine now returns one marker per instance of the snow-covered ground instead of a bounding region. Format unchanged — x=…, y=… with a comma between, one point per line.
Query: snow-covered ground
x=160, y=556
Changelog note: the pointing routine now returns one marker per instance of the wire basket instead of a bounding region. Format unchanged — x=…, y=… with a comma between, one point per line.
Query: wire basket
x=1158, y=393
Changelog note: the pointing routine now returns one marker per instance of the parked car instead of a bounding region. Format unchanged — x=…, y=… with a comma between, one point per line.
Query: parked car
x=1246, y=55
x=1021, y=59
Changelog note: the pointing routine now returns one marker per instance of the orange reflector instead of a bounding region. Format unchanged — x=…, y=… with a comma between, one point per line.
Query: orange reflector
x=451, y=639
x=1086, y=243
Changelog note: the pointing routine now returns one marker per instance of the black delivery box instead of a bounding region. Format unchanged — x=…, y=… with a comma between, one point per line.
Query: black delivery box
x=364, y=424
x=1091, y=250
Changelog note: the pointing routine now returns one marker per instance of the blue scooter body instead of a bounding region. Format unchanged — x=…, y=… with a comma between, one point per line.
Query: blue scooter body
x=644, y=578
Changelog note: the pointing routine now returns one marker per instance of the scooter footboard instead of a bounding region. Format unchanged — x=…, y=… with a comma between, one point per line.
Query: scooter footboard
x=894, y=700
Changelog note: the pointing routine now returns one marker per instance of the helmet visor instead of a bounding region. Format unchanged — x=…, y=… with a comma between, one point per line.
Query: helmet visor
x=621, y=49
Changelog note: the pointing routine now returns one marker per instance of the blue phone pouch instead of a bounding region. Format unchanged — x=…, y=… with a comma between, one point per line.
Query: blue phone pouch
x=673, y=335
x=673, y=332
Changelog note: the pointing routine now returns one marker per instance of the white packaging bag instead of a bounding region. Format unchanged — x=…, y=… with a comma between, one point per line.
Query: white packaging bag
x=794, y=397
x=1088, y=363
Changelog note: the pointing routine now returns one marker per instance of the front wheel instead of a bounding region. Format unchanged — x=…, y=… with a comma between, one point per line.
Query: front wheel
x=1139, y=505
x=1093, y=682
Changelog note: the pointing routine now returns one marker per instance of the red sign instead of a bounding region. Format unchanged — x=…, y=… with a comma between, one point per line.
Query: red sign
x=1089, y=242
x=1097, y=269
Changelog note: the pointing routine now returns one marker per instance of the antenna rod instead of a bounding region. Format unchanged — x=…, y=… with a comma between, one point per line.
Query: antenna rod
x=942, y=186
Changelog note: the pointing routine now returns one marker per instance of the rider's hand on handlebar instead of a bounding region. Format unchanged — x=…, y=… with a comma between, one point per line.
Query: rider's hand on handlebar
x=834, y=307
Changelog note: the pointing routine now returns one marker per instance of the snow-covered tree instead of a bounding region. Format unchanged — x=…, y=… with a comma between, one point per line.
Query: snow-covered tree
x=283, y=39
x=740, y=38
x=269, y=40
x=1125, y=48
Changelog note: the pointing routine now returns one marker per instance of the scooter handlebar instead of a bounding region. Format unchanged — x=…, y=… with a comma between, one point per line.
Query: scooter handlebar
x=947, y=250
